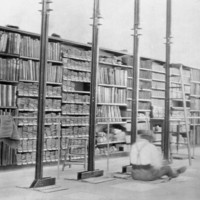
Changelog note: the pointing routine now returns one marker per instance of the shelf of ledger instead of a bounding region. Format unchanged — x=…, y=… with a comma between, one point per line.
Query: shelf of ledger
x=192, y=81
x=38, y=59
x=35, y=124
x=36, y=96
x=100, y=62
x=79, y=124
x=142, y=79
x=9, y=82
x=34, y=81
x=45, y=137
x=9, y=55
x=140, y=110
x=111, y=142
x=76, y=91
x=74, y=102
x=109, y=85
x=77, y=69
x=34, y=150
x=64, y=113
x=32, y=109
x=112, y=104
x=163, y=89
x=77, y=80
x=195, y=95
x=8, y=107
x=188, y=84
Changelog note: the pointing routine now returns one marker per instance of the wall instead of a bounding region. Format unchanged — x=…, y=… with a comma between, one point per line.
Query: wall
x=71, y=19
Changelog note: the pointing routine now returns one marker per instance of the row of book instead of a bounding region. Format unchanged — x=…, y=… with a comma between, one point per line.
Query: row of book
x=144, y=94
x=195, y=74
x=31, y=131
x=30, y=144
x=75, y=131
x=69, y=51
x=68, y=85
x=158, y=111
x=8, y=95
x=179, y=114
x=30, y=118
x=111, y=95
x=196, y=119
x=76, y=75
x=108, y=114
x=158, y=93
x=111, y=59
x=75, y=98
x=54, y=73
x=9, y=69
x=195, y=104
x=105, y=150
x=145, y=84
x=10, y=42
x=195, y=89
x=145, y=74
x=158, y=85
x=186, y=79
x=157, y=76
x=144, y=105
x=52, y=104
x=28, y=89
x=29, y=47
x=113, y=76
x=146, y=64
x=7, y=155
x=75, y=108
x=76, y=65
x=158, y=67
x=54, y=51
x=29, y=70
x=79, y=120
x=31, y=103
x=25, y=158
x=32, y=89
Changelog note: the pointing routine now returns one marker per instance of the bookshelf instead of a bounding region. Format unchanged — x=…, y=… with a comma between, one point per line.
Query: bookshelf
x=68, y=95
x=75, y=95
x=111, y=103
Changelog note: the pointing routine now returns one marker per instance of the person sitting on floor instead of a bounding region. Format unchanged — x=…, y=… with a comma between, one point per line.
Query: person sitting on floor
x=146, y=160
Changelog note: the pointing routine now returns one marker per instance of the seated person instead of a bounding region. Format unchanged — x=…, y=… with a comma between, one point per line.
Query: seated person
x=146, y=160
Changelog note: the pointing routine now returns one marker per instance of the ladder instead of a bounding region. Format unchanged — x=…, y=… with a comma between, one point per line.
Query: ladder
x=75, y=152
x=182, y=87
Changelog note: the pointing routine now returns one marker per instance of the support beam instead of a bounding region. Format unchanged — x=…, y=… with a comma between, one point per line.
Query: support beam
x=39, y=180
x=135, y=83
x=167, y=83
x=92, y=121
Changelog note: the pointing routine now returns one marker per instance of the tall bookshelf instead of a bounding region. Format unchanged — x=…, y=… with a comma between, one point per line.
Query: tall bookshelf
x=195, y=104
x=75, y=95
x=68, y=95
x=111, y=103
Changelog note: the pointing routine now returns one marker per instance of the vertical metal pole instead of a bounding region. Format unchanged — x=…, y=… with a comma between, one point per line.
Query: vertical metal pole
x=135, y=83
x=41, y=98
x=95, y=58
x=167, y=83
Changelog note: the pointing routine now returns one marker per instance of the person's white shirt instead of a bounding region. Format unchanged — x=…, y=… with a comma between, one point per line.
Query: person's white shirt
x=143, y=153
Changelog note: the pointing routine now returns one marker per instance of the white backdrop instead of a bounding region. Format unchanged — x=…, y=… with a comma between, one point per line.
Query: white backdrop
x=71, y=19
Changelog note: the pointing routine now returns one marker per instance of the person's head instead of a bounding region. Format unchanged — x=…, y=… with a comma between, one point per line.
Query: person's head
x=146, y=134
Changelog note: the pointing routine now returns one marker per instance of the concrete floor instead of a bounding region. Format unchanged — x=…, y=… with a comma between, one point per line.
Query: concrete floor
x=14, y=184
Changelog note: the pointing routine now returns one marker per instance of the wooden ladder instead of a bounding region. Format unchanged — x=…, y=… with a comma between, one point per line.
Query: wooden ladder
x=182, y=86
x=74, y=157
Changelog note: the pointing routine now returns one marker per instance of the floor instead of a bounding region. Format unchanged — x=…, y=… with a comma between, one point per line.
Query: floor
x=14, y=184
